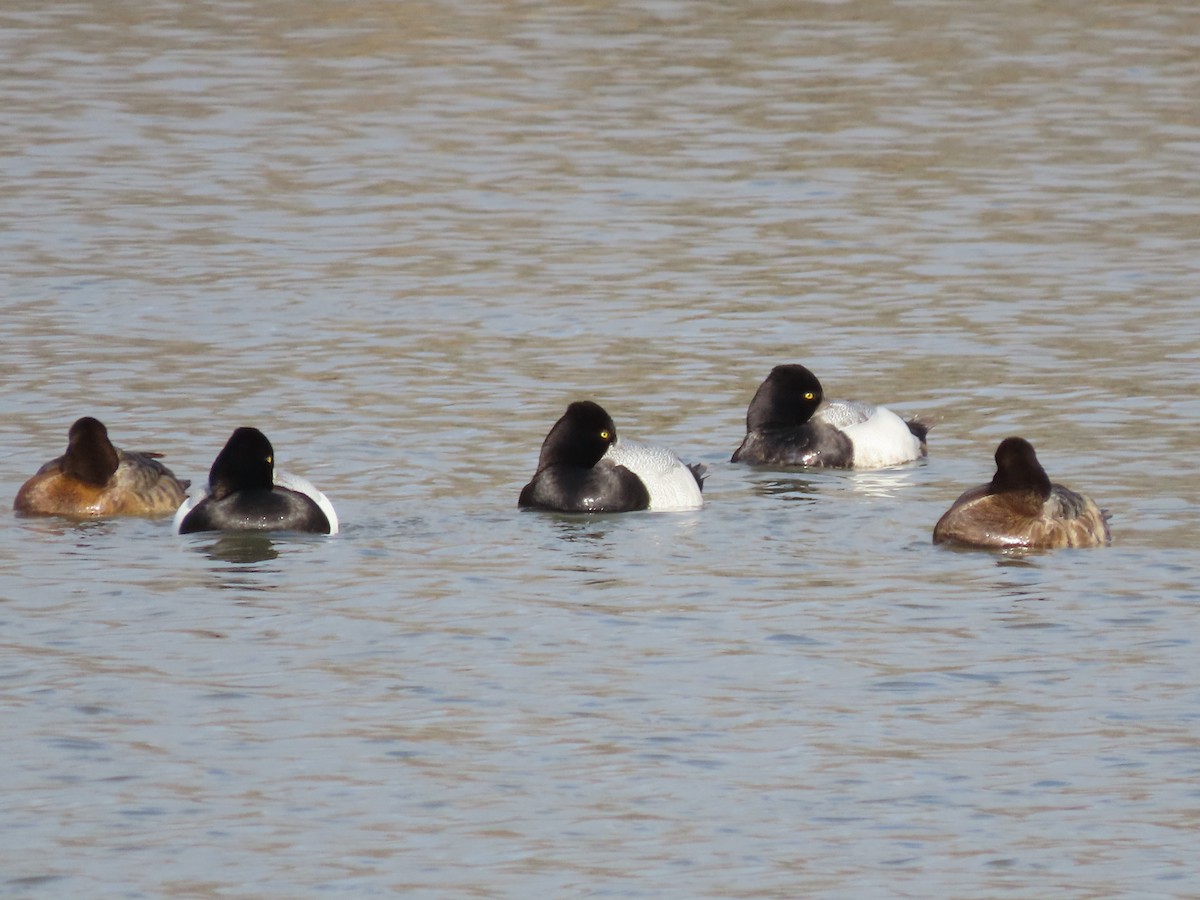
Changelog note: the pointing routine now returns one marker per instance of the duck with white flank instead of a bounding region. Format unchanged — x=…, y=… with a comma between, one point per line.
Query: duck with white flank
x=584, y=467
x=790, y=422
x=247, y=493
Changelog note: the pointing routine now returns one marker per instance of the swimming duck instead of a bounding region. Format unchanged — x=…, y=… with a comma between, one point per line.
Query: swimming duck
x=790, y=422
x=584, y=467
x=1020, y=507
x=94, y=479
x=247, y=493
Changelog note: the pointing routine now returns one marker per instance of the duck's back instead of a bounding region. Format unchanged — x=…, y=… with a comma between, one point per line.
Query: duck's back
x=1081, y=522
x=256, y=509
x=147, y=484
x=844, y=413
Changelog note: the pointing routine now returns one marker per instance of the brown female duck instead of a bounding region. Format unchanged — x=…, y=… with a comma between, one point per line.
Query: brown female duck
x=1020, y=507
x=94, y=479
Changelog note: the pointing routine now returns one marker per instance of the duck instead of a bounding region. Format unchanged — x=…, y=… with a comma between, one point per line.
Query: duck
x=1021, y=508
x=790, y=422
x=94, y=479
x=584, y=467
x=246, y=492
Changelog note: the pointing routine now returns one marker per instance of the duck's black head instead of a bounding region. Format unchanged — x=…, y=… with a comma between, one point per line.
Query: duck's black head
x=90, y=455
x=246, y=461
x=1018, y=469
x=580, y=437
x=787, y=399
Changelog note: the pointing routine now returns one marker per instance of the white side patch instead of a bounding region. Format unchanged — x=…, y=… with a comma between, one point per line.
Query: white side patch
x=882, y=440
x=188, y=504
x=671, y=484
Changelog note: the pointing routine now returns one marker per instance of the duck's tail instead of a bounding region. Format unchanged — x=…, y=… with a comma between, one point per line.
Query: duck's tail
x=919, y=426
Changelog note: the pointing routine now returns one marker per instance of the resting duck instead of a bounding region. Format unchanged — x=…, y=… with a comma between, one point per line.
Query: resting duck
x=1020, y=507
x=247, y=493
x=583, y=467
x=790, y=422
x=94, y=479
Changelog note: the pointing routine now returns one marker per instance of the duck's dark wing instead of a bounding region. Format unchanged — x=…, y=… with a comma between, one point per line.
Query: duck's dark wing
x=142, y=472
x=1078, y=520
x=1066, y=504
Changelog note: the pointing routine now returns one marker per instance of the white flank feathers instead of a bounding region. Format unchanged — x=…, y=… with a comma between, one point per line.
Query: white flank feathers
x=188, y=504
x=671, y=484
x=882, y=440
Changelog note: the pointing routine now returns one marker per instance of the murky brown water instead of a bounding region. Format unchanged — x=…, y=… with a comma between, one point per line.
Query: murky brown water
x=400, y=238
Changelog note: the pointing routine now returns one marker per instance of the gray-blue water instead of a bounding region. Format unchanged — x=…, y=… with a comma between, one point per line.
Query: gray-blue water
x=400, y=238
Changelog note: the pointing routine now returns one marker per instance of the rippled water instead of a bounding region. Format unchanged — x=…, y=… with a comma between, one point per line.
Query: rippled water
x=399, y=238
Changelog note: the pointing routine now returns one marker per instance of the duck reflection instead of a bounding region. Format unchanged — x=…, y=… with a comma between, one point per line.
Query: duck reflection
x=881, y=483
x=82, y=529
x=796, y=487
x=807, y=485
x=583, y=528
x=240, y=547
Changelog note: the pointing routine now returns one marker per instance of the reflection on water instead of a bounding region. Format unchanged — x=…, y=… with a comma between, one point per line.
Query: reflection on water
x=811, y=485
x=581, y=528
x=84, y=531
x=792, y=488
x=399, y=238
x=891, y=483
x=240, y=547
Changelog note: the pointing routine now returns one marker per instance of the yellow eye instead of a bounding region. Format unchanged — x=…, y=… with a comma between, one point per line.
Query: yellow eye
x=270, y=459
x=604, y=435
x=808, y=395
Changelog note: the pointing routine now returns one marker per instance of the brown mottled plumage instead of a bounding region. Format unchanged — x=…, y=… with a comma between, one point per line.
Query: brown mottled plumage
x=94, y=479
x=1020, y=507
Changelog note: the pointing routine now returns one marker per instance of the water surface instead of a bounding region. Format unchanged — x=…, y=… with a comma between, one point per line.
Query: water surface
x=400, y=238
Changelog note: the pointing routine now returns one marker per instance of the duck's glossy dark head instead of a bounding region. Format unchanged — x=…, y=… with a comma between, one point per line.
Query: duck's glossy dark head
x=786, y=399
x=580, y=437
x=90, y=455
x=246, y=461
x=1018, y=469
